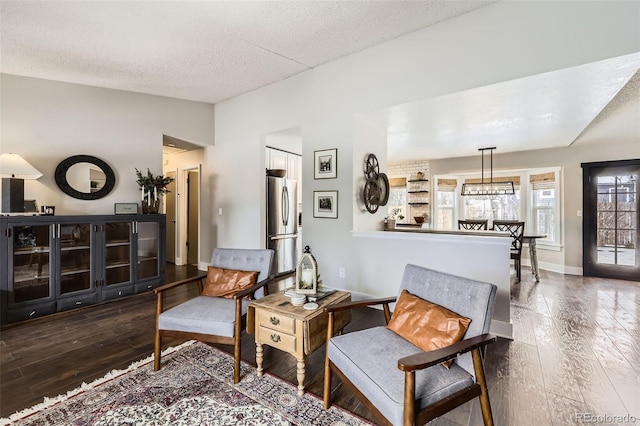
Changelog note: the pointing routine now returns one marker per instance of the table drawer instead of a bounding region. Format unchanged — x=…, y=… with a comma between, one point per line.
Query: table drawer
x=277, y=340
x=276, y=322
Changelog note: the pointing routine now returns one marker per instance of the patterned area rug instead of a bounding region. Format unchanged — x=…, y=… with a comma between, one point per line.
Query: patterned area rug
x=193, y=387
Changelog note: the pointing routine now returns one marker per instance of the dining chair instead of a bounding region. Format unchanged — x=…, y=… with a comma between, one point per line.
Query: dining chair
x=214, y=319
x=516, y=230
x=473, y=225
x=400, y=383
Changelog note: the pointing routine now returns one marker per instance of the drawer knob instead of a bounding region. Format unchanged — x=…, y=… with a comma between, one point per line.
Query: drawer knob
x=275, y=338
x=274, y=320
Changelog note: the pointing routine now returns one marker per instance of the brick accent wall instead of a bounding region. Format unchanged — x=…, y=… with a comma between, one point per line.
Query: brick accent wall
x=409, y=170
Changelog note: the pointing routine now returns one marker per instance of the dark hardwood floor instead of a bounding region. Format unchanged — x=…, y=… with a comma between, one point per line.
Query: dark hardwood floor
x=576, y=352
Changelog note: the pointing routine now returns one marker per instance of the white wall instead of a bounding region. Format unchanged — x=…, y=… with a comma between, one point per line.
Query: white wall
x=500, y=42
x=47, y=121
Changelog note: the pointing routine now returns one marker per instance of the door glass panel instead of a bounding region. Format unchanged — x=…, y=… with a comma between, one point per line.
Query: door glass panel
x=148, y=243
x=117, y=252
x=617, y=233
x=75, y=257
x=31, y=254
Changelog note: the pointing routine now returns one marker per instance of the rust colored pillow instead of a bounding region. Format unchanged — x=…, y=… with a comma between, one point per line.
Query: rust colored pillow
x=427, y=325
x=225, y=282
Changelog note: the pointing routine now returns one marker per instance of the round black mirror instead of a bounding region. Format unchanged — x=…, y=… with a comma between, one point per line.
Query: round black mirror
x=85, y=177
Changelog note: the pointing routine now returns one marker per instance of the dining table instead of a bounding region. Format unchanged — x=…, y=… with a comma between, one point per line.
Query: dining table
x=533, y=254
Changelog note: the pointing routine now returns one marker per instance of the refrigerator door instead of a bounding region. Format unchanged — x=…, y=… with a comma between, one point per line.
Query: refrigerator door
x=285, y=258
x=281, y=206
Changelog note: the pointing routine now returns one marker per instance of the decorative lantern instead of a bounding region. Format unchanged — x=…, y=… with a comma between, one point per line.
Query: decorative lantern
x=307, y=273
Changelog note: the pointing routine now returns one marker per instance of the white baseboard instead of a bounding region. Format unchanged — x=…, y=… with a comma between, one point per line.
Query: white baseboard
x=554, y=267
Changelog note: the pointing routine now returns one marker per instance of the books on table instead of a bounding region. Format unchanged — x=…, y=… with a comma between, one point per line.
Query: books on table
x=318, y=295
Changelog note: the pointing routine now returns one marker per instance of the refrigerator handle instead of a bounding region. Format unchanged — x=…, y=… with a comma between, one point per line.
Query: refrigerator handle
x=282, y=206
x=285, y=218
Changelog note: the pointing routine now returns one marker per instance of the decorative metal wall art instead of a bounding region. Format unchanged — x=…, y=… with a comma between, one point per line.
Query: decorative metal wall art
x=376, y=186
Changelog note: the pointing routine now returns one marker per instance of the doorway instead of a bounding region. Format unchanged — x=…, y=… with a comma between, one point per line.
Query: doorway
x=171, y=217
x=611, y=242
x=183, y=161
x=193, y=209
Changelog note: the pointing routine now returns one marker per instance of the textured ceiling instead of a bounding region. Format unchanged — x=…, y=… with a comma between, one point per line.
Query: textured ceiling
x=199, y=50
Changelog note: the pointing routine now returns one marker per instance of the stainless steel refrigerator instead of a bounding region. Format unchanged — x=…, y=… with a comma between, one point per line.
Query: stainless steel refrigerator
x=282, y=222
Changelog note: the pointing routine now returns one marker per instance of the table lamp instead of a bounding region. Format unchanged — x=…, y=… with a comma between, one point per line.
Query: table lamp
x=13, y=170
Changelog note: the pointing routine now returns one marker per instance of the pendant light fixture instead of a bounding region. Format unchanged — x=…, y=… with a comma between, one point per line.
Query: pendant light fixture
x=490, y=187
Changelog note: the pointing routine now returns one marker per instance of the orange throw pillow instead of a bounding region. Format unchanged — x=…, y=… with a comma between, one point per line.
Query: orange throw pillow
x=427, y=325
x=225, y=282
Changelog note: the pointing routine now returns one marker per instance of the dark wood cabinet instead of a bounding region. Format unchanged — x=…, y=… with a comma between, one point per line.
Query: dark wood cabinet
x=54, y=263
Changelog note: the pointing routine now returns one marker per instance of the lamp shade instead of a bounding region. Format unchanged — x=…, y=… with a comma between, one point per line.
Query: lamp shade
x=14, y=166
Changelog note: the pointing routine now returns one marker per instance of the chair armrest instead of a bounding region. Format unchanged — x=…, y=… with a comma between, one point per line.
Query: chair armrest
x=250, y=290
x=424, y=360
x=200, y=276
x=343, y=306
x=281, y=275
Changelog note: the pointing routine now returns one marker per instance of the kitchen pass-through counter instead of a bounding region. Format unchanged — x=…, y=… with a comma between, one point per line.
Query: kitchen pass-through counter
x=482, y=256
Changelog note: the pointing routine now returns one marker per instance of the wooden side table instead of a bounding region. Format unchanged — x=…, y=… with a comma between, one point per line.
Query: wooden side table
x=293, y=329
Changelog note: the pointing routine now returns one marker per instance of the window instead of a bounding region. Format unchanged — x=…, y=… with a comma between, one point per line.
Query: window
x=545, y=211
x=446, y=204
x=536, y=201
x=493, y=207
x=397, y=196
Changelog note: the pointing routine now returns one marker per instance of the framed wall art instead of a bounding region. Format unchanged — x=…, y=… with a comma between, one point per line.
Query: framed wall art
x=325, y=204
x=325, y=164
x=125, y=208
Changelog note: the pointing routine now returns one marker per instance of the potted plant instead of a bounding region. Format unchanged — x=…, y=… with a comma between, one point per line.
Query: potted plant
x=152, y=187
x=390, y=220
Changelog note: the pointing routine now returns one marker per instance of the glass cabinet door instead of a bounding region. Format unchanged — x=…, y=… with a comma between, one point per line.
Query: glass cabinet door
x=31, y=267
x=74, y=257
x=117, y=238
x=148, y=246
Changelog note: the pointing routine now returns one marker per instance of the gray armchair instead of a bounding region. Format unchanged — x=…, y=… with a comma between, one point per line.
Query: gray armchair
x=397, y=381
x=214, y=319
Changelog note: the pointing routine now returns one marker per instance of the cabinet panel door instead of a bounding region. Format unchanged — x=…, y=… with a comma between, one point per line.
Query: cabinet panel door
x=147, y=250
x=74, y=258
x=117, y=253
x=30, y=269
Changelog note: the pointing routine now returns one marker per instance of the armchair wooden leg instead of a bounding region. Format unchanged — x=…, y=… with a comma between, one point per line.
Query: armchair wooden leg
x=327, y=365
x=157, y=350
x=237, y=347
x=485, y=405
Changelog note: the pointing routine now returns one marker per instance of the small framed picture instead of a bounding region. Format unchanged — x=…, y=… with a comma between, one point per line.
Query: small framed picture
x=125, y=208
x=325, y=204
x=325, y=164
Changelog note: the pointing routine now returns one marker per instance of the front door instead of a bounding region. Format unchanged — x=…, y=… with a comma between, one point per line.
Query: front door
x=611, y=217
